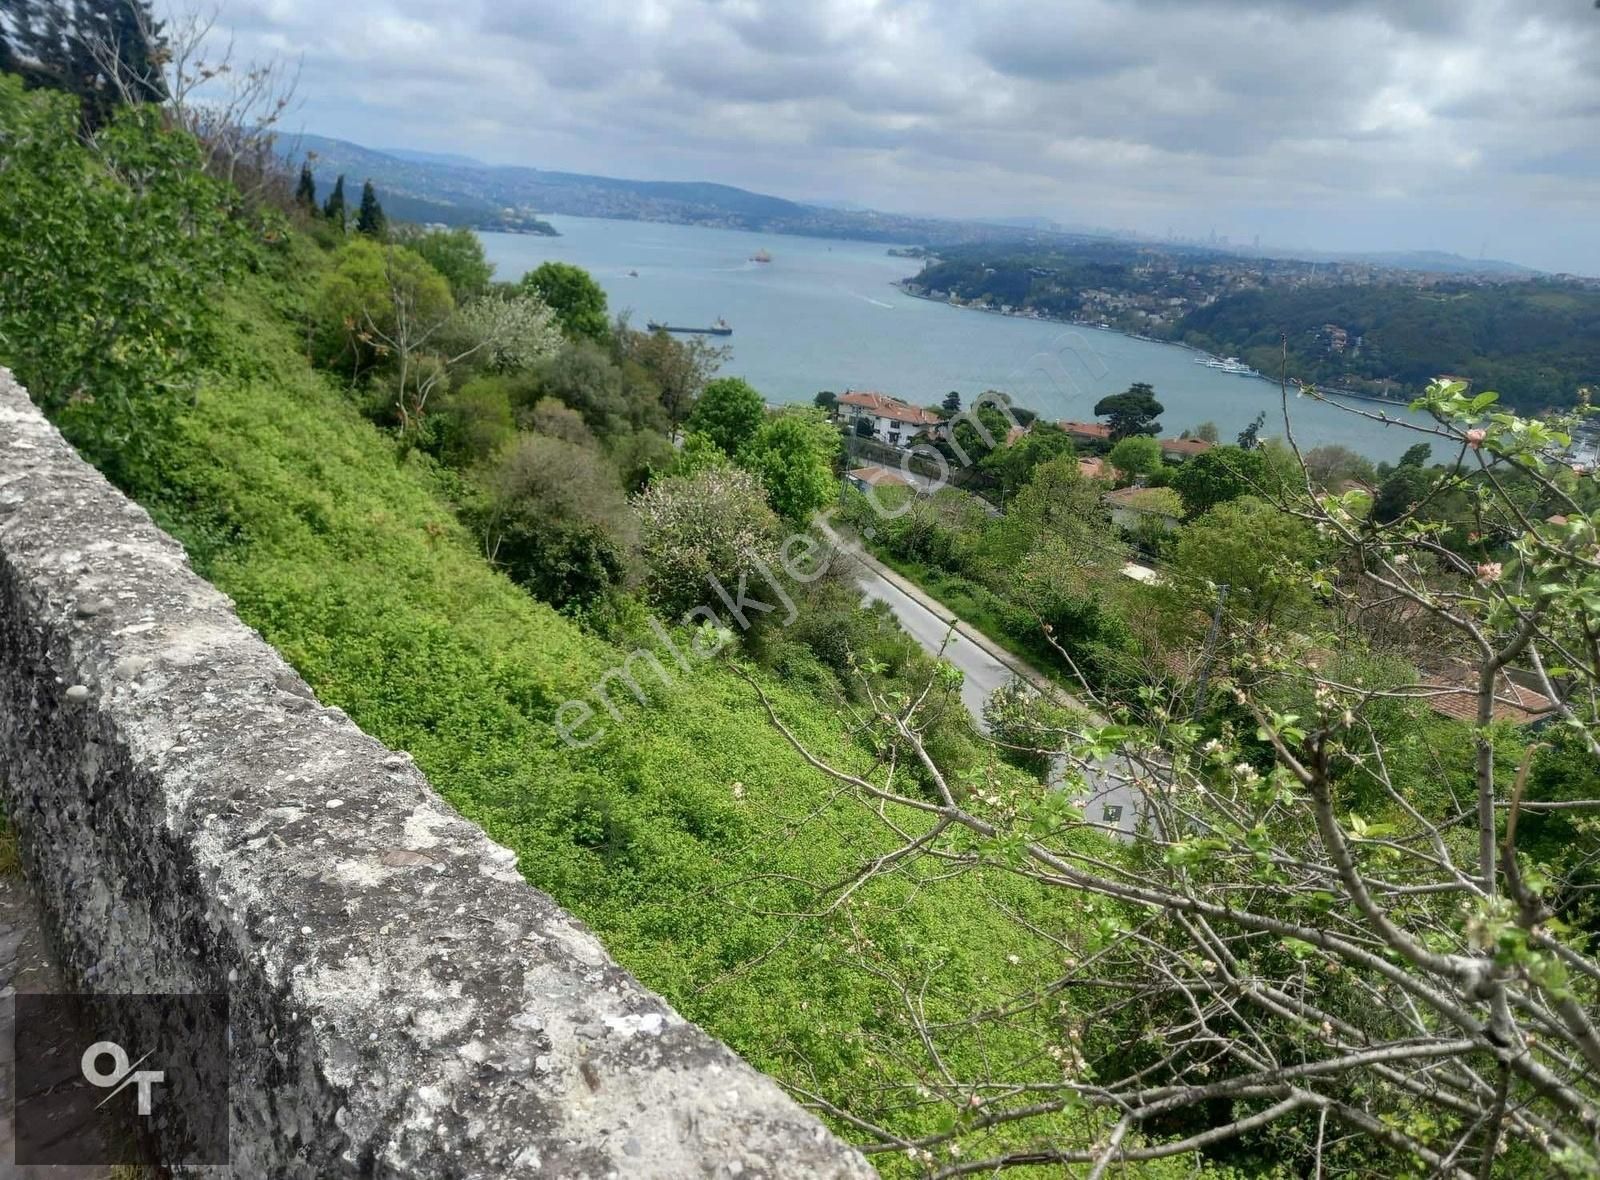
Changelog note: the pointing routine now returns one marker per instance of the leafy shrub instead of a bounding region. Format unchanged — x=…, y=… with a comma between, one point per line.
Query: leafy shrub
x=556, y=519
x=711, y=524
x=793, y=454
x=110, y=256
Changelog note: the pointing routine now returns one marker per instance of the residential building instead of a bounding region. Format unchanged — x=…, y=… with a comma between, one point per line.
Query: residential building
x=873, y=476
x=892, y=421
x=1087, y=431
x=1176, y=450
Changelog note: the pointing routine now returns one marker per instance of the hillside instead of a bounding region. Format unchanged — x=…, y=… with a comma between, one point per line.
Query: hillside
x=1535, y=342
x=459, y=191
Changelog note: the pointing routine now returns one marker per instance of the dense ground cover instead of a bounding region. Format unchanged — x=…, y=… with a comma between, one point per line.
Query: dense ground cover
x=686, y=837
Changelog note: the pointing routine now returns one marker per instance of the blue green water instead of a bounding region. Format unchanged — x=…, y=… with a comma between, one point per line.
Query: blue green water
x=824, y=314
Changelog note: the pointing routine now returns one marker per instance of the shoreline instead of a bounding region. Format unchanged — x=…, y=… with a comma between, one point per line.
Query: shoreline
x=1355, y=395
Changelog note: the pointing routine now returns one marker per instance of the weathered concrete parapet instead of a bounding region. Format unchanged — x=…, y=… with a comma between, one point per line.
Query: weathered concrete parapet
x=403, y=1003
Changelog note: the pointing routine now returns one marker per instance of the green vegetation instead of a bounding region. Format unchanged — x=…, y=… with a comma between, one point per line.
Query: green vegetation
x=1536, y=341
x=1131, y=413
x=729, y=412
x=1137, y=454
x=456, y=509
x=577, y=300
x=343, y=535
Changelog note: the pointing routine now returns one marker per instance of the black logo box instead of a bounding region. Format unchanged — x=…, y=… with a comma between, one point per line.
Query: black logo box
x=63, y=1115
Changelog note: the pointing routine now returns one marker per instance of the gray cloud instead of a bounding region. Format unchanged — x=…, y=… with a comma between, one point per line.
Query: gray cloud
x=1356, y=123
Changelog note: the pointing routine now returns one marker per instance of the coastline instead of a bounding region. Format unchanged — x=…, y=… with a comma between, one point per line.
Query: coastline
x=1354, y=395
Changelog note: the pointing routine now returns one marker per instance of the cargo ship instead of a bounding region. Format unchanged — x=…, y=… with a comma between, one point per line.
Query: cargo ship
x=720, y=328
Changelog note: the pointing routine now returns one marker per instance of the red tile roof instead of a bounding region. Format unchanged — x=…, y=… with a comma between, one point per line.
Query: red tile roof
x=880, y=477
x=1086, y=429
x=881, y=405
x=1092, y=468
x=1512, y=702
x=1185, y=446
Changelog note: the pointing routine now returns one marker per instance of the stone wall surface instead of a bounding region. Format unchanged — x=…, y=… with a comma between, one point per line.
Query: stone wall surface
x=403, y=1004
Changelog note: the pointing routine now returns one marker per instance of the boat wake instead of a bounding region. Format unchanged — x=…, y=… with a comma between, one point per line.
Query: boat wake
x=871, y=300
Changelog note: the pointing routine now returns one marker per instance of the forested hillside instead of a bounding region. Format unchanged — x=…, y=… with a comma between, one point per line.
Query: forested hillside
x=1536, y=342
x=1349, y=928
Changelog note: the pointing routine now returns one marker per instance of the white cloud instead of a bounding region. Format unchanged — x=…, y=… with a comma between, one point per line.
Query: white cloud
x=1381, y=123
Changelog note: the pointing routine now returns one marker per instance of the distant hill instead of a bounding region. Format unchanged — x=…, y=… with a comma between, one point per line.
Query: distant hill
x=458, y=190
x=415, y=157
x=1536, y=342
x=1427, y=261
x=462, y=191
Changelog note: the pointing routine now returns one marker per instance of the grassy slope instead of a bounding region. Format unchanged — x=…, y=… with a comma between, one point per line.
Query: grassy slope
x=350, y=562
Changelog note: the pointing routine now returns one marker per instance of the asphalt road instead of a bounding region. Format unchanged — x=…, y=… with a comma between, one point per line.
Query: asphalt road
x=982, y=673
x=1107, y=799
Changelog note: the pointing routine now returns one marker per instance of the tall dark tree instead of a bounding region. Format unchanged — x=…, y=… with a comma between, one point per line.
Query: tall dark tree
x=369, y=218
x=106, y=52
x=1133, y=412
x=305, y=193
x=952, y=402
x=1250, y=436
x=334, y=209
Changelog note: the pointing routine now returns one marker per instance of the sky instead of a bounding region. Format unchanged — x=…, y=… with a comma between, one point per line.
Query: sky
x=1464, y=125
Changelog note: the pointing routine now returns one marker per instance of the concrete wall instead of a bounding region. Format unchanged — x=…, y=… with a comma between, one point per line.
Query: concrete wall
x=403, y=1003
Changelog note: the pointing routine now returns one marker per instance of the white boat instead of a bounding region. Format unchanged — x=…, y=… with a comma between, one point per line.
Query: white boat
x=1230, y=364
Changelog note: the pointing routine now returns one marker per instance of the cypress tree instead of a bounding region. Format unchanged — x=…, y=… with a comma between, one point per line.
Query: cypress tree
x=334, y=209
x=370, y=219
x=305, y=193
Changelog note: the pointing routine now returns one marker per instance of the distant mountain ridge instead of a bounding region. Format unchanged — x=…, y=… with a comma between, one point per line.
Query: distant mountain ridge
x=456, y=189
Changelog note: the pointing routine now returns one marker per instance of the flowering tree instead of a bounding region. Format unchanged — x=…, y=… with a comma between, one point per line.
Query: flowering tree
x=1324, y=944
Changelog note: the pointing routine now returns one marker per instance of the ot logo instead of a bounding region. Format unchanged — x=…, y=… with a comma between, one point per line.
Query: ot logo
x=122, y=1074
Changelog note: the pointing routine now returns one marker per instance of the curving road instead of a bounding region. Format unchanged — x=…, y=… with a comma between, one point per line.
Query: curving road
x=1108, y=799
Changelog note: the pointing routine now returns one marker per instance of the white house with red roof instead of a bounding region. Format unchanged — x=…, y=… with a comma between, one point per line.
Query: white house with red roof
x=892, y=421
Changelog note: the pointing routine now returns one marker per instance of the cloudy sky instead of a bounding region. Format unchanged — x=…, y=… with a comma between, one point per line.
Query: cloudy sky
x=1464, y=125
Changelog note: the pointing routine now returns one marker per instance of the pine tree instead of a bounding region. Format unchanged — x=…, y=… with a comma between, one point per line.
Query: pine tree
x=106, y=52
x=305, y=193
x=370, y=219
x=333, y=210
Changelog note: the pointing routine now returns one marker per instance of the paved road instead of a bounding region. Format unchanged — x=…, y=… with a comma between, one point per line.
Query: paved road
x=1106, y=800
x=982, y=672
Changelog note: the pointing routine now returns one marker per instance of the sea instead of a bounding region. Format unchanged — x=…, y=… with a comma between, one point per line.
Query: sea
x=826, y=314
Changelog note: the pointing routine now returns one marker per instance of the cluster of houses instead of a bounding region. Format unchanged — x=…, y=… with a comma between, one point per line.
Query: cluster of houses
x=1447, y=691
x=897, y=423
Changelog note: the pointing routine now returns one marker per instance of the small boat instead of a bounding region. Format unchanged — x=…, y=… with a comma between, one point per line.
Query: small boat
x=720, y=328
x=633, y=274
x=760, y=256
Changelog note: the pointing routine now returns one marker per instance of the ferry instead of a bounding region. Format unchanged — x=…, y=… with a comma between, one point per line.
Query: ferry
x=720, y=328
x=1229, y=364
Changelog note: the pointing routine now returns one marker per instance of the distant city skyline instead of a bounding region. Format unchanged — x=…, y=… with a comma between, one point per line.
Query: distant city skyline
x=1466, y=126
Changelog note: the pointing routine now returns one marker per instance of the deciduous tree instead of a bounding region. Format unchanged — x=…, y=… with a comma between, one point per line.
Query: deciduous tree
x=793, y=454
x=571, y=292
x=1384, y=988
x=729, y=411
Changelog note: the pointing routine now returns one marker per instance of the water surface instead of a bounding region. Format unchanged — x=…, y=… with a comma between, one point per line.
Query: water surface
x=824, y=314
